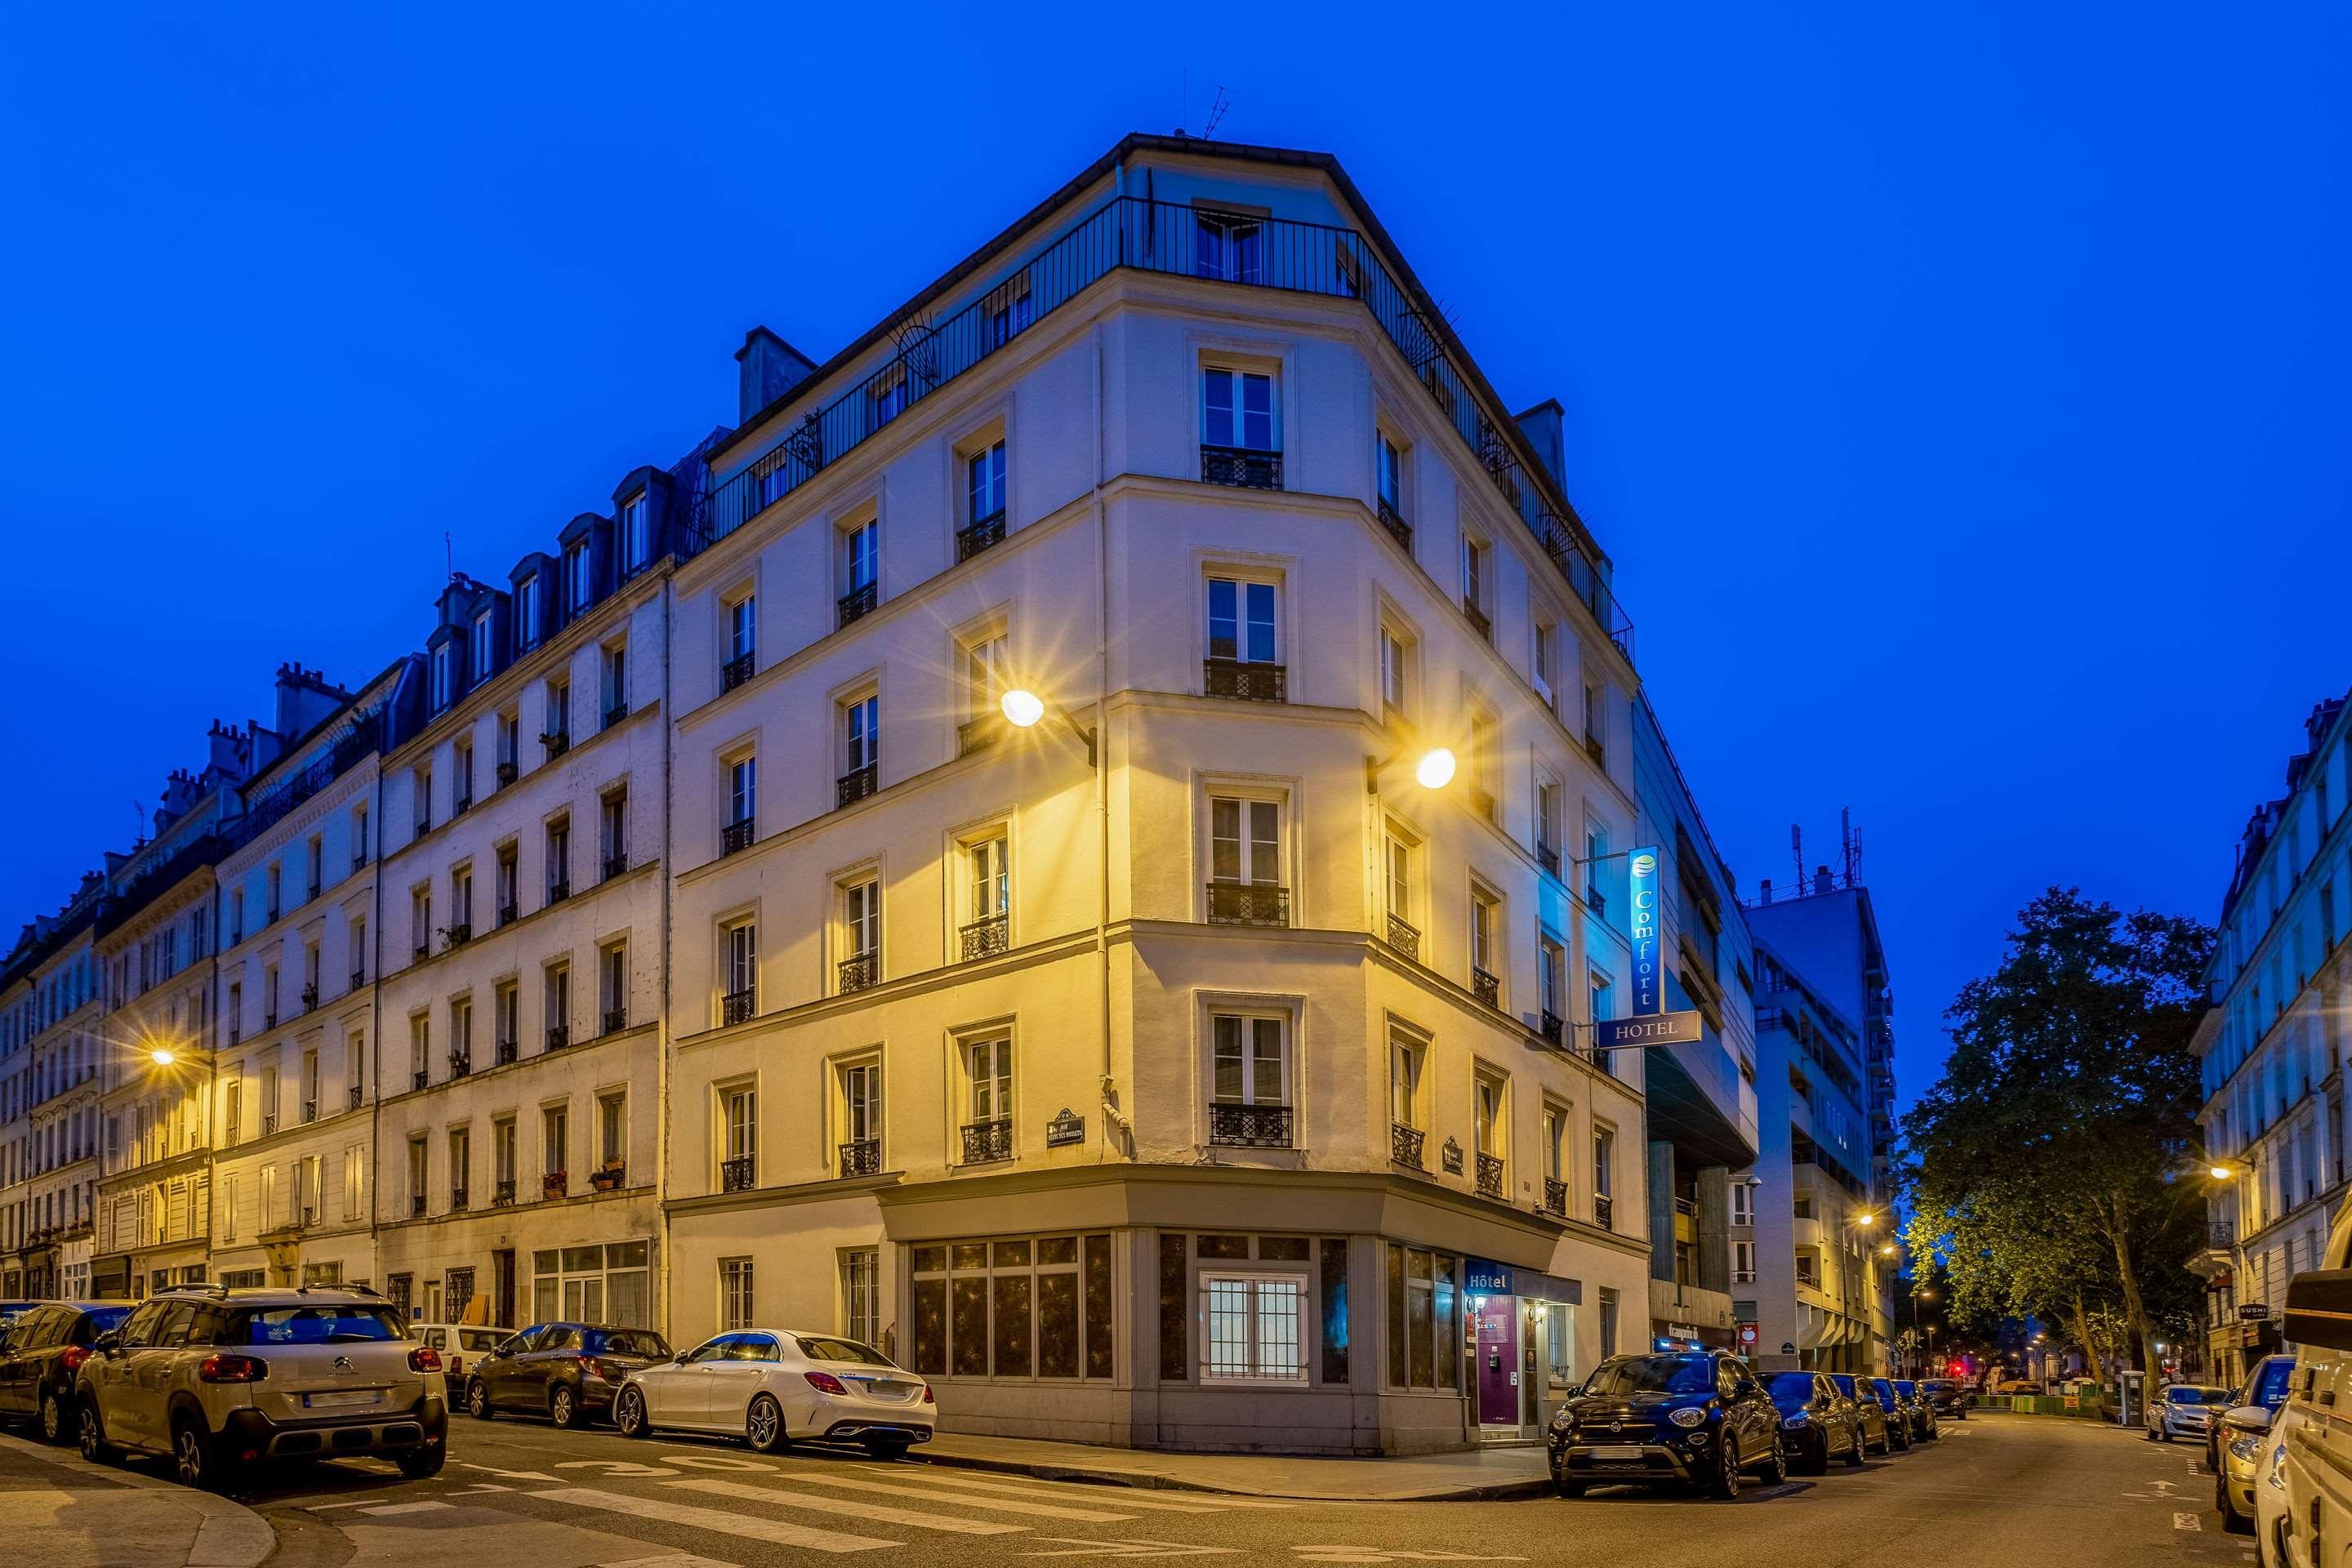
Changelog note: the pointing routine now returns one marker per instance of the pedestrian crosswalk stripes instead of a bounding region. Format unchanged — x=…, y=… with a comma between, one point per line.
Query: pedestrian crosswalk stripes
x=1023, y=1505
x=1120, y=1496
x=871, y=1512
x=1194, y=1502
x=745, y=1527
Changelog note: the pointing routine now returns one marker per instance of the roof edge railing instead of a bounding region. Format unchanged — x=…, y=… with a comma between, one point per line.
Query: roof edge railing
x=1183, y=240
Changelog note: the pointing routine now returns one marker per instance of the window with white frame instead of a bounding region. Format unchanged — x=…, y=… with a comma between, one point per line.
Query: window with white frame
x=1249, y=1066
x=1408, y=1057
x=739, y=1135
x=861, y=1295
x=1245, y=861
x=1007, y=309
x=1743, y=1203
x=615, y=663
x=1237, y=409
x=555, y=1140
x=857, y=1087
x=1396, y=671
x=636, y=537
x=1743, y=1263
x=1243, y=620
x=986, y=929
x=886, y=394
x=1551, y=965
x=1551, y=795
x=860, y=931
x=861, y=556
x=1475, y=564
x=742, y=790
x=984, y=485
x=1490, y=1117
x=482, y=648
x=734, y=1293
x=1554, y=1153
x=1546, y=660
x=861, y=723
x=742, y=627
x=1486, y=914
x=1390, y=476
x=579, y=577
x=740, y=976
x=1399, y=879
x=1254, y=1328
x=986, y=676
x=526, y=629
x=613, y=1129
x=1228, y=246
x=988, y=1070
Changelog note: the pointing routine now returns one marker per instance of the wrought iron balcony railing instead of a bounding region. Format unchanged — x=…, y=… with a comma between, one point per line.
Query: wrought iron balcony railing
x=1397, y=526
x=1490, y=1176
x=417, y=1206
x=986, y=939
x=420, y=1077
x=1242, y=465
x=985, y=1142
x=1546, y=857
x=1555, y=1200
x=858, y=970
x=558, y=1036
x=1405, y=1144
x=736, y=1176
x=615, y=713
x=309, y=995
x=857, y=602
x=615, y=1020
x=1485, y=987
x=460, y=804
x=556, y=742
x=458, y=1196
x=268, y=1122
x=973, y=734
x=358, y=978
x=979, y=535
x=509, y=772
x=309, y=1111
x=1248, y=904
x=1153, y=235
x=509, y=913
x=737, y=1007
x=559, y=892
x=1596, y=901
x=1250, y=1126
x=855, y=784
x=1604, y=1210
x=1596, y=750
x=1406, y=937
x=504, y=1052
x=616, y=865
x=357, y=1095
x=1247, y=681
x=735, y=672
x=502, y=1194
x=1552, y=1026
x=735, y=837
x=860, y=1157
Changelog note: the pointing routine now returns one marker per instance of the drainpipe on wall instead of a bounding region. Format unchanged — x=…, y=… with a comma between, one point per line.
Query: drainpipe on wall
x=1111, y=1116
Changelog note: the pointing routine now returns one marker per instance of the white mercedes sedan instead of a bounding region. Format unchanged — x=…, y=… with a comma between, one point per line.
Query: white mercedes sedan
x=775, y=1386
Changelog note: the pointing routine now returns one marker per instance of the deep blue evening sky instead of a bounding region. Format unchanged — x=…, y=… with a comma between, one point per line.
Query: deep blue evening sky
x=1963, y=399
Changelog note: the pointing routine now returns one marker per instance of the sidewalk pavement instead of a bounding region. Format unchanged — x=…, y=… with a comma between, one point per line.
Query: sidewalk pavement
x=1480, y=1475
x=58, y=1512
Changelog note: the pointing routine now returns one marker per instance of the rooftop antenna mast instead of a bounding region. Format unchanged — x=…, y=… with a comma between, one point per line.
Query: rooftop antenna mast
x=1852, y=846
x=1217, y=115
x=448, y=557
x=1796, y=853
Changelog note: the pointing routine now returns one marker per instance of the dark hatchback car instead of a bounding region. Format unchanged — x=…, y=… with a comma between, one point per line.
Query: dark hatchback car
x=1686, y=1416
x=1818, y=1424
x=1878, y=1431
x=1947, y=1398
x=565, y=1371
x=40, y=1351
x=2266, y=1385
x=1918, y=1408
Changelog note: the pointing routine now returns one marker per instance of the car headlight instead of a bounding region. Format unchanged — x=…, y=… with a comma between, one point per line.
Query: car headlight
x=1798, y=1419
x=2276, y=1475
x=2244, y=1447
x=1688, y=1416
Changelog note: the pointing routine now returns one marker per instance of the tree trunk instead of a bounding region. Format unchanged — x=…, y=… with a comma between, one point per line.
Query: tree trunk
x=2142, y=1331
x=2083, y=1334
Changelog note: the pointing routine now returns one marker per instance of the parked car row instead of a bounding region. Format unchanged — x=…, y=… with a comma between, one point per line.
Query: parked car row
x=223, y=1379
x=1701, y=1420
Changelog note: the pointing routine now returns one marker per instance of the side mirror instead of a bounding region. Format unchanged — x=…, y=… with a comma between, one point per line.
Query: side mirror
x=2319, y=1308
x=2248, y=1418
x=679, y=1358
x=108, y=1344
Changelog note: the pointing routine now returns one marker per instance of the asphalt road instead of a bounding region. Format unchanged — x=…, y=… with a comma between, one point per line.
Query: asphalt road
x=2005, y=1491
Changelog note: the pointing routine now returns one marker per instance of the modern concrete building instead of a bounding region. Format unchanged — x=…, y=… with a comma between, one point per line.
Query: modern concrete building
x=2272, y=1048
x=1702, y=1110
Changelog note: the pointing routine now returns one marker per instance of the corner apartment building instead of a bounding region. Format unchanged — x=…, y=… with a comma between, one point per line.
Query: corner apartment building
x=518, y=1130
x=292, y=1154
x=1178, y=1069
x=2272, y=1048
x=1701, y=1097
x=52, y=1134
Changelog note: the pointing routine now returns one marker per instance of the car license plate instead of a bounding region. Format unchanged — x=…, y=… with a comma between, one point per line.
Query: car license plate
x=1618, y=1451
x=338, y=1397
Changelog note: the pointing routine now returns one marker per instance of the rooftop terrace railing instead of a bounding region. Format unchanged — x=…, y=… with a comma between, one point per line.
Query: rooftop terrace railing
x=1180, y=240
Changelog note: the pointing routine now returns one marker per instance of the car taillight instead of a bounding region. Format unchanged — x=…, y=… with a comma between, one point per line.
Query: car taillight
x=928, y=1398
x=610, y=1371
x=824, y=1382
x=425, y=1358
x=73, y=1357
x=232, y=1369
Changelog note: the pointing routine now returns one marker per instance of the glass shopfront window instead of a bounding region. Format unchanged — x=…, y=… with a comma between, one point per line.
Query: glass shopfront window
x=1424, y=1329
x=1021, y=1307
x=594, y=1284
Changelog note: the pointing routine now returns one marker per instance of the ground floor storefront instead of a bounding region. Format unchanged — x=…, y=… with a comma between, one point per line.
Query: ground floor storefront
x=1183, y=1306
x=139, y=1273
x=589, y=1257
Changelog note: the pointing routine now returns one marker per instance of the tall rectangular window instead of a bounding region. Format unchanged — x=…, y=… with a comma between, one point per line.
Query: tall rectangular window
x=742, y=788
x=1251, y=1061
x=1245, y=840
x=637, y=536
x=740, y=1123
x=989, y=1066
x=480, y=646
x=742, y=976
x=1392, y=478
x=861, y=918
x=1228, y=246
x=615, y=665
x=579, y=577
x=559, y=859
x=1394, y=694
x=555, y=1140
x=861, y=1295
x=1242, y=621
x=1406, y=1055
x=734, y=1293
x=860, y=733
x=861, y=556
x=984, y=476
x=526, y=628
x=743, y=628
x=861, y=1102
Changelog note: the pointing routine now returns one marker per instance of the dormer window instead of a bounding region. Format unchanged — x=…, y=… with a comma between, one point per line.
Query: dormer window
x=527, y=614
x=637, y=541
x=578, y=584
x=441, y=678
x=482, y=648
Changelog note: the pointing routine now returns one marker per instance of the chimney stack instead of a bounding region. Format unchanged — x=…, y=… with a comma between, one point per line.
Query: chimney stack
x=767, y=367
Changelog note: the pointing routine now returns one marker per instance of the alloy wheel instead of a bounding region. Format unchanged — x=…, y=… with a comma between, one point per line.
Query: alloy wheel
x=629, y=1413
x=188, y=1455
x=93, y=1441
x=53, y=1419
x=764, y=1423
x=561, y=1408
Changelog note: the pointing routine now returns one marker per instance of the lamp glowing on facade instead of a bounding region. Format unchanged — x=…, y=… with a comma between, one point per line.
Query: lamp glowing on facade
x=2222, y=1173
x=1021, y=708
x=1435, y=768
x=163, y=1056
x=1865, y=1218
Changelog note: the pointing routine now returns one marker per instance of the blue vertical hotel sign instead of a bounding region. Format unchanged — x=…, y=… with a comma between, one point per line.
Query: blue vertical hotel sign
x=1648, y=998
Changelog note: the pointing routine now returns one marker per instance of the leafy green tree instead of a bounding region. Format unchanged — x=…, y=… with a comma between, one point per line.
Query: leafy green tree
x=2047, y=1160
